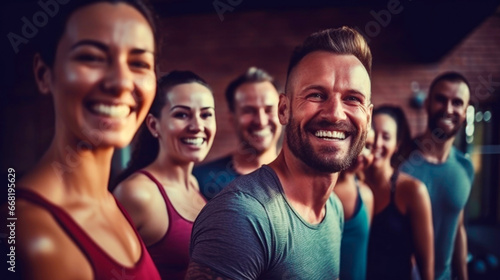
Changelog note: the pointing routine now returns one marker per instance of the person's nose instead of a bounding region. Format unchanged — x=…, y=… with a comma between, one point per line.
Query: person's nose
x=119, y=78
x=449, y=108
x=261, y=118
x=333, y=109
x=196, y=124
x=378, y=141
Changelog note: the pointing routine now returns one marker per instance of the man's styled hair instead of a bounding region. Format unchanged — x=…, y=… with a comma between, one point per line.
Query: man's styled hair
x=252, y=75
x=453, y=77
x=343, y=40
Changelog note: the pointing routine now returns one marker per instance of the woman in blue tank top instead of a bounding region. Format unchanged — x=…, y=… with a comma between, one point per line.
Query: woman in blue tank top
x=402, y=222
x=357, y=200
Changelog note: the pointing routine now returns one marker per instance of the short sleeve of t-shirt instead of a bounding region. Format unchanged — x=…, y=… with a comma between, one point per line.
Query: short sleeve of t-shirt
x=237, y=251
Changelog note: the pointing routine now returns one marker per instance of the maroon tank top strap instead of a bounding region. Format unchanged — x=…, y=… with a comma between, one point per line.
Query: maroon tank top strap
x=170, y=208
x=103, y=266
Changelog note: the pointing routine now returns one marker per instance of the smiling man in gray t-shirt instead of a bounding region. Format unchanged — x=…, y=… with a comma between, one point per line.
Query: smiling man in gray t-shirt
x=283, y=220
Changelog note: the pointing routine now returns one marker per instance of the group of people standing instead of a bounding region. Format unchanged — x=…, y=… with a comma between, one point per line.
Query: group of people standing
x=348, y=194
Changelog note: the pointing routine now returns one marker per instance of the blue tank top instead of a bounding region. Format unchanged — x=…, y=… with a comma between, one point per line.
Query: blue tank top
x=354, y=246
x=390, y=246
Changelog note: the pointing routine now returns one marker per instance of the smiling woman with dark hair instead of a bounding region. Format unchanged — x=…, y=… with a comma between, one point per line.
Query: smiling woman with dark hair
x=158, y=190
x=402, y=221
x=101, y=76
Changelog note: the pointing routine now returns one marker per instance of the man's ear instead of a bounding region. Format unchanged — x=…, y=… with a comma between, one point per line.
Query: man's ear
x=153, y=125
x=43, y=74
x=284, y=109
x=370, y=116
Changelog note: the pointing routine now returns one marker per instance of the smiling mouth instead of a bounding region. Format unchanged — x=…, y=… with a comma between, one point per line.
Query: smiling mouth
x=447, y=121
x=330, y=135
x=112, y=111
x=262, y=133
x=195, y=141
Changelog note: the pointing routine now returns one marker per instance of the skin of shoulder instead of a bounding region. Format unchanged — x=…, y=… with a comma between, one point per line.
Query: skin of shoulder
x=43, y=245
x=367, y=197
x=411, y=191
x=137, y=194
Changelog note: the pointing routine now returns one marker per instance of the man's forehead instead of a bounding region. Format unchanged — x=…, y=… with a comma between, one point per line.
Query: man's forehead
x=325, y=67
x=256, y=91
x=453, y=89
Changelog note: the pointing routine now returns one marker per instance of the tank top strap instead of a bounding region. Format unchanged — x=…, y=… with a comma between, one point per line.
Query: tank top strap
x=393, y=180
x=102, y=264
x=170, y=208
x=67, y=223
x=359, y=202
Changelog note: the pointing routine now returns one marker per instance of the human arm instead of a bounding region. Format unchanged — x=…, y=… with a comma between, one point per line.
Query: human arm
x=199, y=271
x=229, y=239
x=420, y=214
x=460, y=250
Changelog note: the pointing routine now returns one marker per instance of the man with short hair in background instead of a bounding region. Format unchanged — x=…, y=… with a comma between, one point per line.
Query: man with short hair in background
x=252, y=99
x=446, y=172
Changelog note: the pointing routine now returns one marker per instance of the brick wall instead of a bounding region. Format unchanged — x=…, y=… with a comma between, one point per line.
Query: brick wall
x=219, y=51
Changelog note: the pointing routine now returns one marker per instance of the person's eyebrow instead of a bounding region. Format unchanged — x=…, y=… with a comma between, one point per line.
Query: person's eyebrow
x=322, y=88
x=180, y=106
x=94, y=43
x=189, y=108
x=104, y=47
x=316, y=87
x=141, y=51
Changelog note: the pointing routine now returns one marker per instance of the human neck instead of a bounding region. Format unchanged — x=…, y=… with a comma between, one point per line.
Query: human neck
x=306, y=189
x=245, y=162
x=345, y=179
x=434, y=150
x=378, y=176
x=172, y=171
x=69, y=170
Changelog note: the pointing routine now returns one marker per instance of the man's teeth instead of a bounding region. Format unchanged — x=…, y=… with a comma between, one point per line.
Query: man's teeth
x=262, y=132
x=193, y=141
x=114, y=111
x=330, y=134
x=447, y=121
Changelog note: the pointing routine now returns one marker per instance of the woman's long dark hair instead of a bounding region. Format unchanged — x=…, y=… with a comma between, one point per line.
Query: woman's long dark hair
x=403, y=136
x=145, y=146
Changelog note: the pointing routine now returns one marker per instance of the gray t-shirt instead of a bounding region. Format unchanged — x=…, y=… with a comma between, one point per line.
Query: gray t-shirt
x=250, y=231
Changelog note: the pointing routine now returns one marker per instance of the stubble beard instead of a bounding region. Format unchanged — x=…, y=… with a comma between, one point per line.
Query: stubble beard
x=323, y=161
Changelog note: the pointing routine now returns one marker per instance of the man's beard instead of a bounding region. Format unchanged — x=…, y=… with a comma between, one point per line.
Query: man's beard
x=438, y=132
x=324, y=160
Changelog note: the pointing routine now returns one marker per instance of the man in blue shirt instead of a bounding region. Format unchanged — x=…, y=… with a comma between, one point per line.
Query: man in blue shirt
x=252, y=99
x=446, y=172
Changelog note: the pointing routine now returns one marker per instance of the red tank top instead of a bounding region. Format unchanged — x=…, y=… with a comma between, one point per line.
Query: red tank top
x=171, y=252
x=103, y=266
